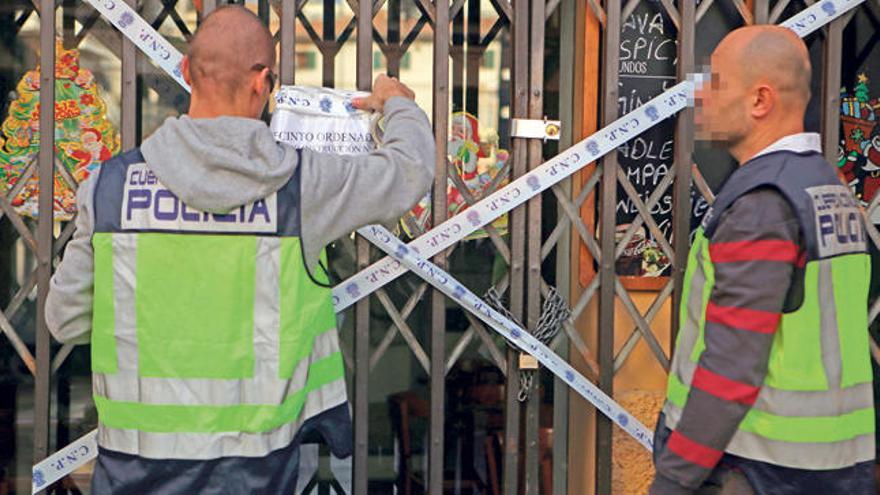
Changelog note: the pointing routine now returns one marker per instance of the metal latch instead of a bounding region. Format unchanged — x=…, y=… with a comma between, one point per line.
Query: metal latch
x=536, y=129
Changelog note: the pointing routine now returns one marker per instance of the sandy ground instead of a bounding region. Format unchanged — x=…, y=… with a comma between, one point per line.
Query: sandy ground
x=633, y=470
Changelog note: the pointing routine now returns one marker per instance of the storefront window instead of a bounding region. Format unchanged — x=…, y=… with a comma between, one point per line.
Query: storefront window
x=478, y=391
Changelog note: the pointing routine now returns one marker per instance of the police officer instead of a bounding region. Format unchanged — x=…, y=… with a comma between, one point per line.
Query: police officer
x=194, y=275
x=770, y=386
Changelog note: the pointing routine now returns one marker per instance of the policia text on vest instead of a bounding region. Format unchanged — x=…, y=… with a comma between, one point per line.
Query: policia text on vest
x=838, y=220
x=150, y=206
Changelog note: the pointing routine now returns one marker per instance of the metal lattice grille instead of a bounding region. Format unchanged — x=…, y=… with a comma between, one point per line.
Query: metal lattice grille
x=536, y=252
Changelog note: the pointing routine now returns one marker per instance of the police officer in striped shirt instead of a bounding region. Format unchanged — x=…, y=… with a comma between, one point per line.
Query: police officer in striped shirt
x=770, y=386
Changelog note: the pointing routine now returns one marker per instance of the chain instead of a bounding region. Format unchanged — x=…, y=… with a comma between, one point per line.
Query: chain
x=554, y=314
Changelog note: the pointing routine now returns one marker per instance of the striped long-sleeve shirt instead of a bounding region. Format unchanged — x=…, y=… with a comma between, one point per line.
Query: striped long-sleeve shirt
x=759, y=259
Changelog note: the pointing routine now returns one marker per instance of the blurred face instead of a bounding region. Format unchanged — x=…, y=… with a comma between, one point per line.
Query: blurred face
x=721, y=113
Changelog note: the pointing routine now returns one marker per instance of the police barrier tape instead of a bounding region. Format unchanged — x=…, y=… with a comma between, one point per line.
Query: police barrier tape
x=142, y=34
x=456, y=228
x=518, y=191
x=65, y=461
x=559, y=167
x=442, y=280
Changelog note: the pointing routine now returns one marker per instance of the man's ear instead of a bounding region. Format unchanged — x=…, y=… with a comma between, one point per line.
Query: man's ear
x=259, y=82
x=763, y=100
x=184, y=67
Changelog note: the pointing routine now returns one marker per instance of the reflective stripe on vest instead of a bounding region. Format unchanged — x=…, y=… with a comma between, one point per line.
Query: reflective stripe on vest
x=206, y=346
x=815, y=408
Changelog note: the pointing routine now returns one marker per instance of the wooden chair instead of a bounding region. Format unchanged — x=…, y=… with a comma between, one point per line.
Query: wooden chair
x=494, y=445
x=407, y=409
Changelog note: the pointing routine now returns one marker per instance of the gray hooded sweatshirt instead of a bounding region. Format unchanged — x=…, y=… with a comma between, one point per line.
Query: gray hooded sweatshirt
x=217, y=165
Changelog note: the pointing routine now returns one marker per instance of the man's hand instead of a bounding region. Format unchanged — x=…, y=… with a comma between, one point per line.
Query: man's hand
x=384, y=88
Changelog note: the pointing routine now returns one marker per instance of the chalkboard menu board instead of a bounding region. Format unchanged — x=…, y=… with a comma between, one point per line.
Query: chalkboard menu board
x=648, y=59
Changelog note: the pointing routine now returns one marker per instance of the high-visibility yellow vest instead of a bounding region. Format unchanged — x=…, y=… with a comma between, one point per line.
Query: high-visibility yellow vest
x=815, y=408
x=209, y=337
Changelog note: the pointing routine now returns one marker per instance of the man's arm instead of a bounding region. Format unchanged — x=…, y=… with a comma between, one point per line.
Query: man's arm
x=69, y=304
x=754, y=251
x=341, y=193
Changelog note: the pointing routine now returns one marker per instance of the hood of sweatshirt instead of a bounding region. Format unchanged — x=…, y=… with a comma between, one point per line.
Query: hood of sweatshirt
x=218, y=164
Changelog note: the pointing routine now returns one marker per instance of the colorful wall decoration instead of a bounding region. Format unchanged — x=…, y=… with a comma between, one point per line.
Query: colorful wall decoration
x=84, y=137
x=858, y=155
x=482, y=167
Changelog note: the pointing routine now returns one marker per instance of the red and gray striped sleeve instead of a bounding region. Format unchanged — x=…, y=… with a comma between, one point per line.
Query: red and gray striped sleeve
x=756, y=251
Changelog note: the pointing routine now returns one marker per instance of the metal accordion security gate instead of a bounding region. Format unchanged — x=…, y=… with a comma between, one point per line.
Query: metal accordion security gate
x=553, y=60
